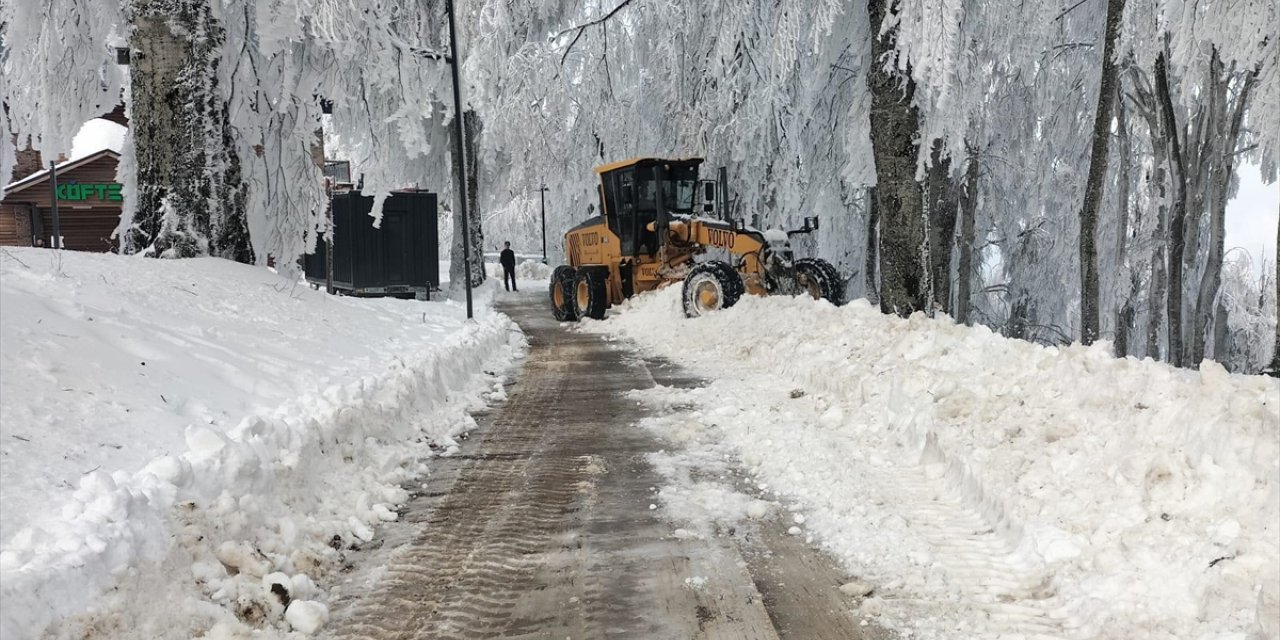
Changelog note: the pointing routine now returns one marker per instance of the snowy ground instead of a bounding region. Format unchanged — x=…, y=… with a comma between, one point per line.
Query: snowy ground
x=978, y=486
x=178, y=439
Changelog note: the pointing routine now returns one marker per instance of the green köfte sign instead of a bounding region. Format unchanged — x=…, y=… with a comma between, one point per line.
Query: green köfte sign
x=74, y=192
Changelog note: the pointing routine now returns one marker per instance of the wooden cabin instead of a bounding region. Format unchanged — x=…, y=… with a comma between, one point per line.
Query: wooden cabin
x=89, y=206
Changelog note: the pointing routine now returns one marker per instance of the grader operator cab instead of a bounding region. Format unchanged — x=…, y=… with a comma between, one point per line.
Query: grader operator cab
x=651, y=234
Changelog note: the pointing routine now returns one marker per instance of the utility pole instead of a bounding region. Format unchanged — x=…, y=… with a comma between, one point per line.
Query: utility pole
x=460, y=193
x=542, y=196
x=53, y=193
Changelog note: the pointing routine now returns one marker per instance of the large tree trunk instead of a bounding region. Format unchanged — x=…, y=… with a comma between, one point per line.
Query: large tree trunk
x=1144, y=100
x=1126, y=317
x=1211, y=278
x=1197, y=139
x=1159, y=274
x=964, y=244
x=873, y=247
x=470, y=145
x=474, y=129
x=1126, y=311
x=1089, y=315
x=941, y=207
x=1222, y=141
x=229, y=230
x=1177, y=213
x=1222, y=346
x=189, y=199
x=895, y=129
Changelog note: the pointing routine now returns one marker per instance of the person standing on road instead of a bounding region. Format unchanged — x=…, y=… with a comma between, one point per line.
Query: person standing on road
x=508, y=261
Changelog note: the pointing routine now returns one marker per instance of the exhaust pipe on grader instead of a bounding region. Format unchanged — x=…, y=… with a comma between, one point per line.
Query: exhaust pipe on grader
x=649, y=236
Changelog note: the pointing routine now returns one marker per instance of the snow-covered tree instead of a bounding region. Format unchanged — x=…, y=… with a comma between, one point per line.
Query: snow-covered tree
x=186, y=197
x=1089, y=312
x=905, y=266
x=989, y=154
x=255, y=72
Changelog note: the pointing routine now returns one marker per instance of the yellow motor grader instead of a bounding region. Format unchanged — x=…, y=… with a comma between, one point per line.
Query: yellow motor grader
x=649, y=236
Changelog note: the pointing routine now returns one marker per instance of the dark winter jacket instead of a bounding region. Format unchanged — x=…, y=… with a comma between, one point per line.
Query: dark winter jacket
x=508, y=258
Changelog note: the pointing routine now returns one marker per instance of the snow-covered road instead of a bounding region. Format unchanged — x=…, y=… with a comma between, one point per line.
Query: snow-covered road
x=983, y=487
x=548, y=525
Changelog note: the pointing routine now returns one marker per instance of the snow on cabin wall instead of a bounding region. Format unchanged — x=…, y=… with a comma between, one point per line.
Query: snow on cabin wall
x=15, y=225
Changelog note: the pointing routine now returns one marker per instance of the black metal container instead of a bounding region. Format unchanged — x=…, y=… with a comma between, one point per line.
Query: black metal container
x=398, y=259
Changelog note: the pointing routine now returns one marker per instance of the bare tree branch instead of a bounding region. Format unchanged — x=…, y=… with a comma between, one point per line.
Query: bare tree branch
x=1069, y=10
x=584, y=26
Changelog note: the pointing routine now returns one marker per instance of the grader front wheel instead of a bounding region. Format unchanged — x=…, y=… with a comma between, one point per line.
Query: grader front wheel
x=821, y=280
x=590, y=293
x=711, y=286
x=562, y=280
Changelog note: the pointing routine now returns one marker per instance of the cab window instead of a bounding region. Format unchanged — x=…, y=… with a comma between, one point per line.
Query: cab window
x=678, y=189
x=622, y=216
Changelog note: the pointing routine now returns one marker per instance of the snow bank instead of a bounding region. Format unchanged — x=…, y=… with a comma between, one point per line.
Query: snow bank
x=984, y=486
x=193, y=444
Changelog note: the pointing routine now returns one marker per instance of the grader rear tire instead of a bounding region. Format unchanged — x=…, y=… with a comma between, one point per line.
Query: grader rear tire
x=590, y=293
x=820, y=279
x=562, y=293
x=711, y=286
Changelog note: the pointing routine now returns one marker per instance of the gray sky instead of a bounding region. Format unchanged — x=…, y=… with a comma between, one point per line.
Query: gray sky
x=1253, y=215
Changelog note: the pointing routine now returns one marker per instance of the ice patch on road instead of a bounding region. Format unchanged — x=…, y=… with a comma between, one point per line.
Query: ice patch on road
x=706, y=507
x=702, y=492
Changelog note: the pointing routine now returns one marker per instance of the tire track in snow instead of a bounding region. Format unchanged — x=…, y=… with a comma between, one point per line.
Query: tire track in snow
x=548, y=530
x=987, y=571
x=481, y=546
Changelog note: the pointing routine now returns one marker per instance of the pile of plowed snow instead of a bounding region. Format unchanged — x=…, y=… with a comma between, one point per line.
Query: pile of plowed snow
x=983, y=486
x=179, y=439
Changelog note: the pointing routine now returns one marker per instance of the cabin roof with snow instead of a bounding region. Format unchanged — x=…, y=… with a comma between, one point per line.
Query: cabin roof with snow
x=42, y=176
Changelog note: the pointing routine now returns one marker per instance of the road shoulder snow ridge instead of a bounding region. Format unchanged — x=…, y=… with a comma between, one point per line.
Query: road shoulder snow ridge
x=989, y=487
x=240, y=530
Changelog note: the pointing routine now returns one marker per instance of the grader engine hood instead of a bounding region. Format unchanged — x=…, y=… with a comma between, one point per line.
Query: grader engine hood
x=716, y=233
x=589, y=242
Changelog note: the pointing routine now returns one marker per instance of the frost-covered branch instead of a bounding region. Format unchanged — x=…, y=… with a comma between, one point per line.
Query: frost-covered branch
x=582, y=28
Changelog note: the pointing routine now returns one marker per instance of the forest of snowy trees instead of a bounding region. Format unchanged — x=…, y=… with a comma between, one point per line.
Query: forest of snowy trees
x=1058, y=171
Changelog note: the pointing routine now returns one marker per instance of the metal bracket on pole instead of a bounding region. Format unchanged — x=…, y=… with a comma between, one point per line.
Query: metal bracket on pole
x=460, y=194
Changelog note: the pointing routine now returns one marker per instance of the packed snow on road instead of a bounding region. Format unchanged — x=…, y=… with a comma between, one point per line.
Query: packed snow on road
x=190, y=447
x=973, y=485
